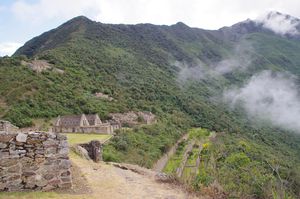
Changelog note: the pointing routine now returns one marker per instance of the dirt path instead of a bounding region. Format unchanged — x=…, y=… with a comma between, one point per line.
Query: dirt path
x=161, y=163
x=108, y=181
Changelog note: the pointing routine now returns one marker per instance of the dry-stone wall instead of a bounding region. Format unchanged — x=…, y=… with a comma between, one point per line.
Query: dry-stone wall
x=34, y=161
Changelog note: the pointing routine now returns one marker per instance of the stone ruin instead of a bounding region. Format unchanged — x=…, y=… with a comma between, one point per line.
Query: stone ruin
x=7, y=126
x=134, y=118
x=90, y=151
x=94, y=150
x=34, y=161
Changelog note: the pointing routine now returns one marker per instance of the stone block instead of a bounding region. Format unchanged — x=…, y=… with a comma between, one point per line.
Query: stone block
x=65, y=164
x=3, y=145
x=14, y=169
x=21, y=137
x=7, y=137
x=8, y=162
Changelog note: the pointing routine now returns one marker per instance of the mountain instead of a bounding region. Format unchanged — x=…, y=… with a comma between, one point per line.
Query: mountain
x=181, y=74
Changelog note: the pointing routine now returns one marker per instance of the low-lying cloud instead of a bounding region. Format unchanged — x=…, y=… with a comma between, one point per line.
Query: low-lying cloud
x=239, y=60
x=280, y=23
x=197, y=71
x=269, y=96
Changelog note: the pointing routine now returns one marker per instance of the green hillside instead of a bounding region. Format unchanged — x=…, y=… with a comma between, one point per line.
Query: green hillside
x=141, y=66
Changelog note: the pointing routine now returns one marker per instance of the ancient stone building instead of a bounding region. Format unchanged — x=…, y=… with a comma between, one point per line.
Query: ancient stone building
x=133, y=118
x=83, y=124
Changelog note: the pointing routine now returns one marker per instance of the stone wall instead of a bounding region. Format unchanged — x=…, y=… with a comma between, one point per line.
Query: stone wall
x=34, y=161
x=94, y=150
x=133, y=118
x=105, y=128
x=7, y=126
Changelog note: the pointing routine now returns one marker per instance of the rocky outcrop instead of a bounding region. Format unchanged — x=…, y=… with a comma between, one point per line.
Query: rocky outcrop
x=103, y=96
x=34, y=161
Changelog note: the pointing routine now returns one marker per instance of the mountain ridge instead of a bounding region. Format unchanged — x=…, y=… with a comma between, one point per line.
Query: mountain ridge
x=178, y=73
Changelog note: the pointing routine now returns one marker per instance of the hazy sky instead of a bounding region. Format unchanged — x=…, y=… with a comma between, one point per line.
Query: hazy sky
x=20, y=20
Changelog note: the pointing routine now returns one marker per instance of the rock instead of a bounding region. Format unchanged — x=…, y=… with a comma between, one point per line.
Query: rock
x=65, y=185
x=2, y=186
x=8, y=162
x=61, y=137
x=52, y=135
x=48, y=176
x=40, y=181
x=82, y=152
x=63, y=151
x=21, y=137
x=66, y=173
x=6, y=137
x=162, y=177
x=4, y=155
x=48, y=188
x=50, y=152
x=63, y=144
x=2, y=145
x=50, y=143
x=28, y=173
x=14, y=178
x=39, y=160
x=66, y=179
x=14, y=169
x=65, y=164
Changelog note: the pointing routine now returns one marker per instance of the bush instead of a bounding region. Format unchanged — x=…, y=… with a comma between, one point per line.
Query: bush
x=237, y=160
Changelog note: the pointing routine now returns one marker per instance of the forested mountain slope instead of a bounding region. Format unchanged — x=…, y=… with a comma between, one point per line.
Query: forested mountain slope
x=186, y=76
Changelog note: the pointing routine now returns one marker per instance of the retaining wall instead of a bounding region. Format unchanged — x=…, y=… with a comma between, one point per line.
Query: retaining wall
x=34, y=161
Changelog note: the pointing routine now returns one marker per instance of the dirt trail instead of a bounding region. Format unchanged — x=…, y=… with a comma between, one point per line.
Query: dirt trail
x=108, y=181
x=161, y=163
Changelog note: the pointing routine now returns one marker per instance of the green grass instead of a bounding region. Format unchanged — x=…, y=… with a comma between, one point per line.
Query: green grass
x=30, y=195
x=176, y=159
x=76, y=138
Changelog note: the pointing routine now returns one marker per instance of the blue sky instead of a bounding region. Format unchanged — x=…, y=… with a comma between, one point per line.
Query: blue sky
x=21, y=20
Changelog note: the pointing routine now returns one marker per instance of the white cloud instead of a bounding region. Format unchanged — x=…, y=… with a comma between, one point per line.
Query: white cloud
x=8, y=48
x=279, y=23
x=204, y=14
x=269, y=96
x=241, y=59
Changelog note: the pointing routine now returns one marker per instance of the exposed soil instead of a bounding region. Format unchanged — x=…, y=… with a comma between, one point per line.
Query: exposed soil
x=104, y=180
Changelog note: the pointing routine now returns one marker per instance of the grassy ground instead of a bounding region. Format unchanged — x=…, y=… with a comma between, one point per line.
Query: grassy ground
x=175, y=160
x=197, y=134
x=76, y=138
x=31, y=195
